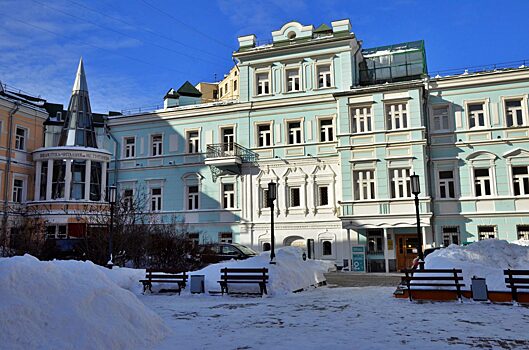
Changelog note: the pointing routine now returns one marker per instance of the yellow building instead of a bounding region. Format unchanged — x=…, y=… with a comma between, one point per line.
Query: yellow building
x=229, y=86
x=210, y=91
x=21, y=132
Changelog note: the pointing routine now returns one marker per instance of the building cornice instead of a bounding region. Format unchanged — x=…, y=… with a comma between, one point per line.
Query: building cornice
x=479, y=79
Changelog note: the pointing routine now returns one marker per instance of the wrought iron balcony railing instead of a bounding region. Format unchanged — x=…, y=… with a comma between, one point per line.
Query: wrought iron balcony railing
x=230, y=149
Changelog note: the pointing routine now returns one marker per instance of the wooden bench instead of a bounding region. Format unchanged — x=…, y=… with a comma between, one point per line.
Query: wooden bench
x=446, y=278
x=243, y=275
x=164, y=276
x=516, y=279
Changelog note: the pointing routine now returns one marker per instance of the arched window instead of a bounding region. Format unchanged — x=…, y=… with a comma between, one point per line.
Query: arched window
x=266, y=247
x=327, y=248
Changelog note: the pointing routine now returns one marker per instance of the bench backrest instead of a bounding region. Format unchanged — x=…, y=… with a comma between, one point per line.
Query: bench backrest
x=151, y=273
x=448, y=277
x=515, y=278
x=244, y=274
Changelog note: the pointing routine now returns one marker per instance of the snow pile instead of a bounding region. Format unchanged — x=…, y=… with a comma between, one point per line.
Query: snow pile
x=125, y=278
x=71, y=304
x=291, y=273
x=524, y=242
x=487, y=259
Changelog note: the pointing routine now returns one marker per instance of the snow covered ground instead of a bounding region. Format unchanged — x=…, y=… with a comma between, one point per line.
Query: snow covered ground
x=337, y=318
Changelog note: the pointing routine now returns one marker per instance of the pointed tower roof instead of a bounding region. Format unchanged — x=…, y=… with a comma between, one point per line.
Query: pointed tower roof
x=78, y=129
x=187, y=89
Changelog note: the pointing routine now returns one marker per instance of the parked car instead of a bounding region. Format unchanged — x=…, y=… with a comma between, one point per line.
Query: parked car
x=217, y=252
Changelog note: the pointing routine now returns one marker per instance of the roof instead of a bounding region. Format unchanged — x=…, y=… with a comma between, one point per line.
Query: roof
x=323, y=28
x=80, y=78
x=171, y=93
x=187, y=89
x=390, y=49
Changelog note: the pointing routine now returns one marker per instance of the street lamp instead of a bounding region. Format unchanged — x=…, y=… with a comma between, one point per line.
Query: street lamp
x=272, y=195
x=111, y=196
x=416, y=189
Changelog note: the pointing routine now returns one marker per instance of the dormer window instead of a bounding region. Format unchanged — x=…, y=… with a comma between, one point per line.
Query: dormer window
x=263, y=83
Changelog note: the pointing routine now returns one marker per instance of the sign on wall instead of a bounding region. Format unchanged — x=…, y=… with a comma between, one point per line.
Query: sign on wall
x=359, y=258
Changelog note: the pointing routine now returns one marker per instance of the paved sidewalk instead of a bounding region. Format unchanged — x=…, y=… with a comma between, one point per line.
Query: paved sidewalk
x=355, y=279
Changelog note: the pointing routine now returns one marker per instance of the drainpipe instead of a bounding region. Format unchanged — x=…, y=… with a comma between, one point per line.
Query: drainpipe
x=12, y=112
x=116, y=155
x=429, y=175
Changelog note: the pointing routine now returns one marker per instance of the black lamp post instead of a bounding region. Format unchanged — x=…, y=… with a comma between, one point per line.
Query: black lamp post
x=416, y=189
x=272, y=195
x=112, y=192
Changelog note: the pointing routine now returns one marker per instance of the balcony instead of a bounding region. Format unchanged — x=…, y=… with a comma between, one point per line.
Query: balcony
x=227, y=158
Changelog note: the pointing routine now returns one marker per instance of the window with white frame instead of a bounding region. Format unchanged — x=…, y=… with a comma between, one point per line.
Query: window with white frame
x=225, y=237
x=263, y=83
x=476, y=115
x=523, y=231
x=130, y=147
x=294, y=133
x=228, y=196
x=361, y=119
x=56, y=231
x=293, y=80
x=400, y=183
x=514, y=113
x=520, y=180
x=482, y=182
x=396, y=116
x=192, y=197
x=323, y=195
x=440, y=118
x=264, y=135
x=156, y=199
x=487, y=232
x=450, y=235
x=326, y=130
x=20, y=138
x=18, y=190
x=294, y=197
x=326, y=248
x=156, y=145
x=446, y=184
x=128, y=198
x=364, y=184
x=323, y=72
x=193, y=141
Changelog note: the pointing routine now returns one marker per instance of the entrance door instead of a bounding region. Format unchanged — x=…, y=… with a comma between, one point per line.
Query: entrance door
x=406, y=251
x=228, y=138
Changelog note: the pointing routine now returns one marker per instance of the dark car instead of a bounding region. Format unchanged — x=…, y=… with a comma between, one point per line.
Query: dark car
x=217, y=252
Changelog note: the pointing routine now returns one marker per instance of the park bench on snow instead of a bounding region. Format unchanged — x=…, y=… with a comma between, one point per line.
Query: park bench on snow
x=164, y=276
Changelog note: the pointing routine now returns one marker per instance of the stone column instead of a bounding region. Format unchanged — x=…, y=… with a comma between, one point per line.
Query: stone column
x=68, y=179
x=87, y=179
x=103, y=181
x=49, y=179
x=386, y=258
x=38, y=170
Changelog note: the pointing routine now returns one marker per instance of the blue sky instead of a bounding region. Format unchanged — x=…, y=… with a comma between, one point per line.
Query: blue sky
x=135, y=50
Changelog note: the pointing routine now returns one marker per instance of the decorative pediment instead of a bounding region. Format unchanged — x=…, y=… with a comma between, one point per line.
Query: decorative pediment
x=517, y=152
x=294, y=173
x=482, y=155
x=292, y=30
x=266, y=175
x=323, y=171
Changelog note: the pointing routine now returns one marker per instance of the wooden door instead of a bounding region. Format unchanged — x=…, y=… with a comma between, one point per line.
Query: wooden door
x=406, y=251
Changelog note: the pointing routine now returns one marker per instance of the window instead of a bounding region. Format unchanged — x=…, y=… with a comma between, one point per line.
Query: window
x=234, y=85
x=20, y=139
x=58, y=115
x=361, y=119
x=294, y=133
x=440, y=118
x=324, y=76
x=523, y=231
x=482, y=182
x=128, y=199
x=57, y=232
x=263, y=83
x=215, y=94
x=226, y=88
x=396, y=116
x=476, y=115
x=78, y=179
x=520, y=180
x=264, y=198
x=326, y=130
x=225, y=237
x=156, y=199
x=228, y=139
x=156, y=145
x=193, y=142
x=18, y=190
x=293, y=80
x=43, y=181
x=221, y=92
x=192, y=197
x=326, y=248
x=400, y=183
x=514, y=113
x=375, y=242
x=264, y=136
x=266, y=247
x=446, y=184
x=130, y=147
x=486, y=232
x=450, y=235
x=95, y=181
x=57, y=184
x=364, y=184
x=228, y=194
x=294, y=197
x=194, y=238
x=323, y=195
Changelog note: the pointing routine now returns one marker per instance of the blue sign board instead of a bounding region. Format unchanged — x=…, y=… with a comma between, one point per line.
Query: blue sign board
x=359, y=258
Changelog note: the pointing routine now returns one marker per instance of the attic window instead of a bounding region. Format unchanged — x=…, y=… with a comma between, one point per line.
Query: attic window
x=291, y=35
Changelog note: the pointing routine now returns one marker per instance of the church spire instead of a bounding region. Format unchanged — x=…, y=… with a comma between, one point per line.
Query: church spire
x=78, y=129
